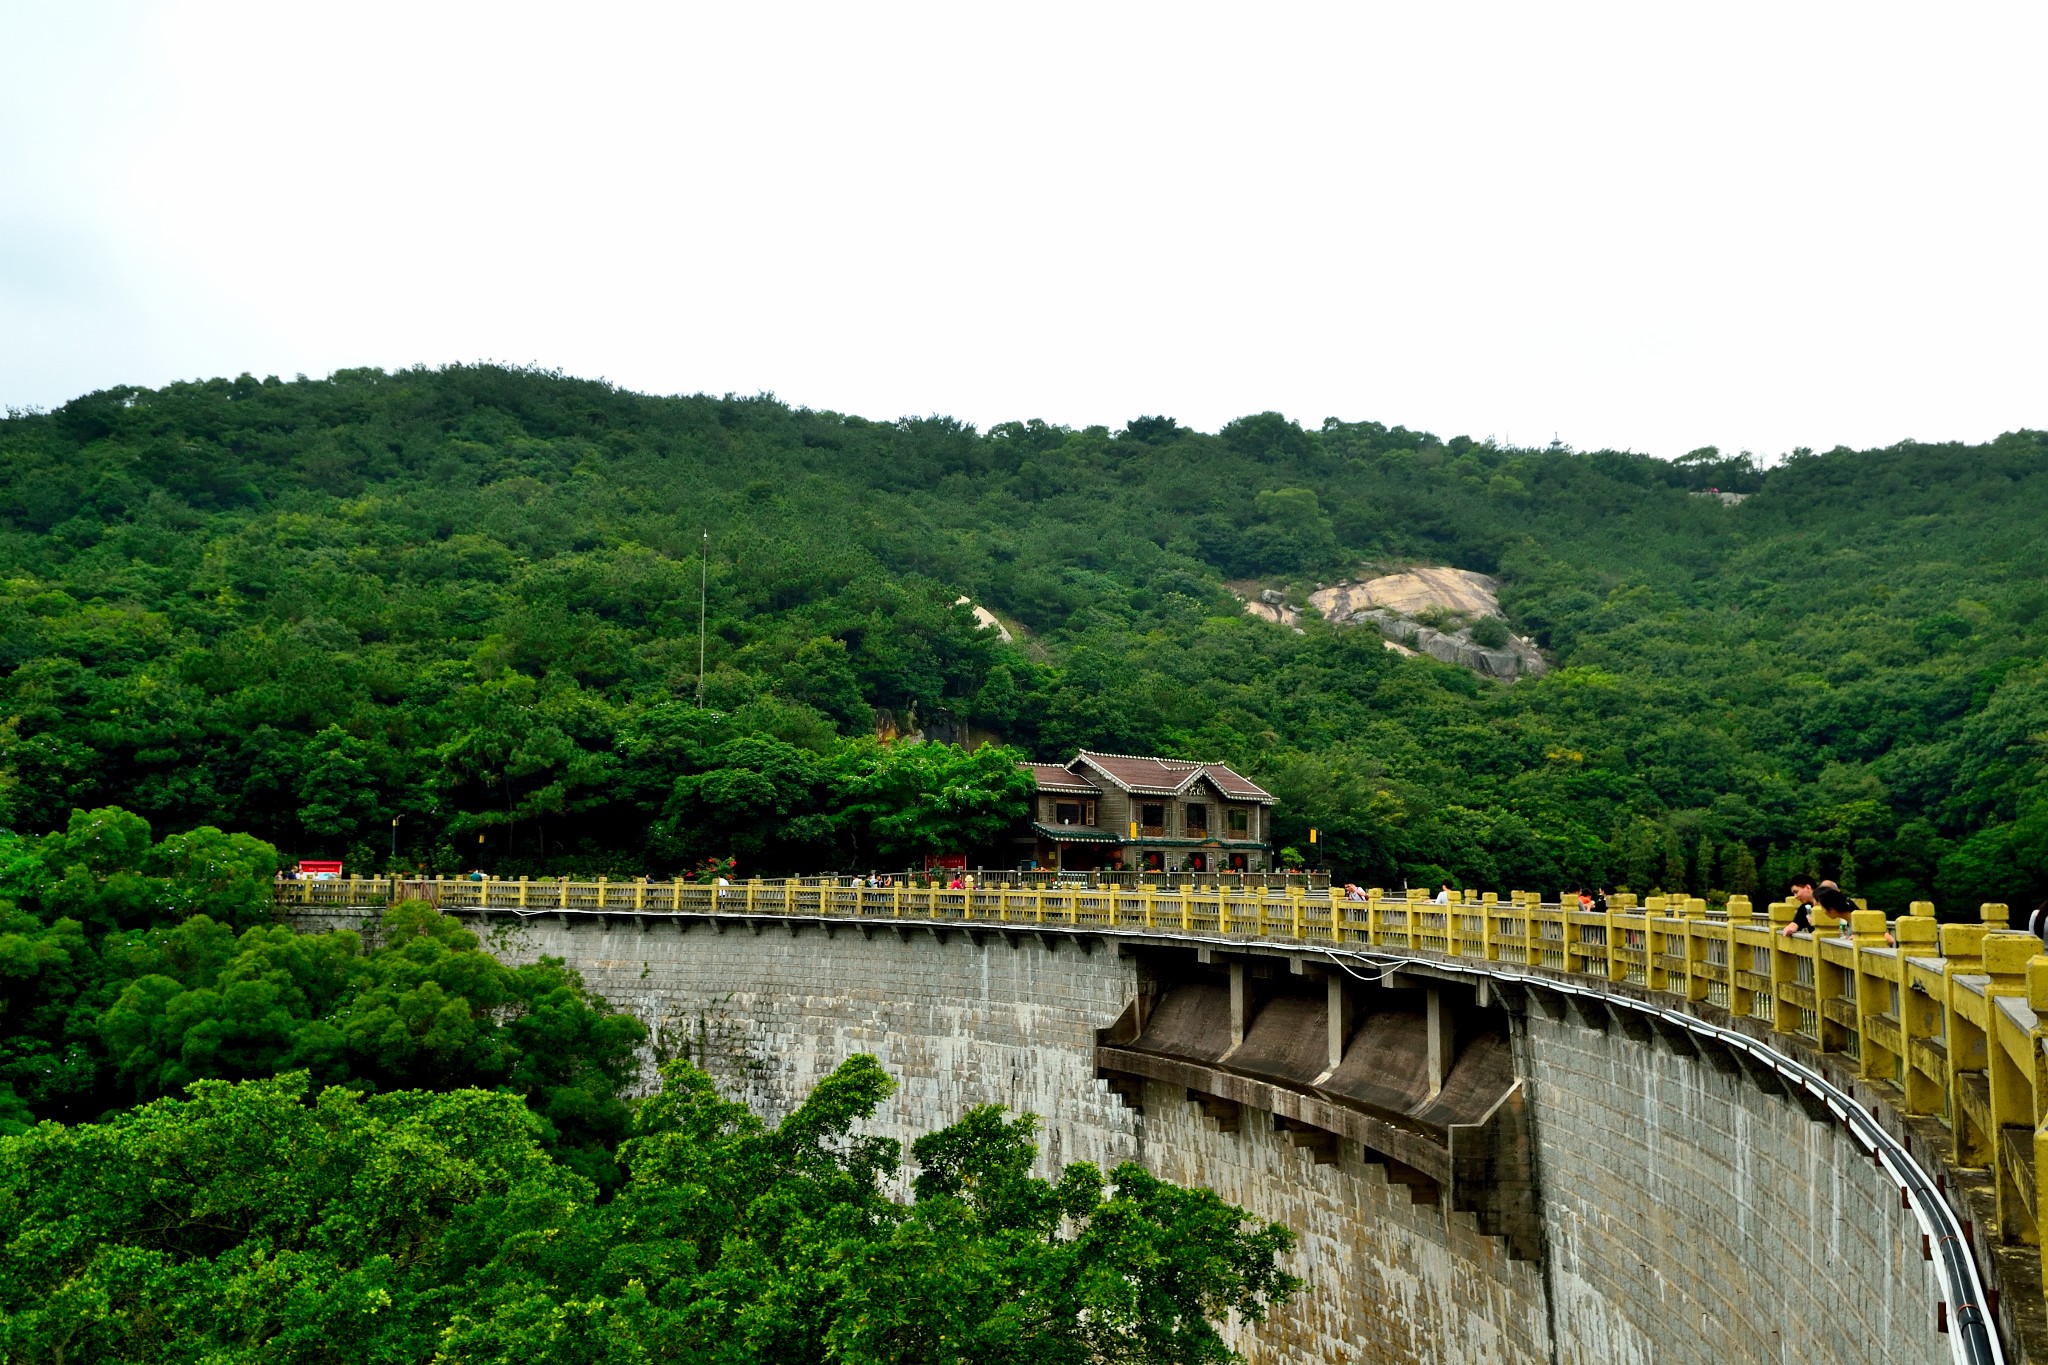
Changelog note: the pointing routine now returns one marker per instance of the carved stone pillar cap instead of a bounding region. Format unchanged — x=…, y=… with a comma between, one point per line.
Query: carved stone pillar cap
x=1916, y=931
x=2037, y=984
x=1962, y=940
x=2007, y=954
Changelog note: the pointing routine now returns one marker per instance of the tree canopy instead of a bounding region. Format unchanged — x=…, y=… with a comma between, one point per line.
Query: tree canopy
x=465, y=600
x=269, y=1220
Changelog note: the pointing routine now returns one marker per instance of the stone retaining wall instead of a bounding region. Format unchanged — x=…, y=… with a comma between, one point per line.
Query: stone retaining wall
x=1690, y=1217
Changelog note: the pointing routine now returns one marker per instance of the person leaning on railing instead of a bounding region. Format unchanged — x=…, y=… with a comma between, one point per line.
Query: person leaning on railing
x=1830, y=898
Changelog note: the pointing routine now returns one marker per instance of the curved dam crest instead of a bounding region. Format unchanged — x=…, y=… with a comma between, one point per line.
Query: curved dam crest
x=1682, y=1213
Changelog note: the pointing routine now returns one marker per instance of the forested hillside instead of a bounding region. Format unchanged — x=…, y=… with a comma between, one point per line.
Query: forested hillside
x=467, y=600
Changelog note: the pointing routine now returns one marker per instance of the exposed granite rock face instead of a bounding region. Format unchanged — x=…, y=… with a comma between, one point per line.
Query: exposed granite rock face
x=1458, y=590
x=985, y=618
x=1516, y=659
x=1387, y=603
x=1277, y=611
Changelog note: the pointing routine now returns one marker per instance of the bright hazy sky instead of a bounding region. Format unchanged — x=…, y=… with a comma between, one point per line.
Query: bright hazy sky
x=1639, y=225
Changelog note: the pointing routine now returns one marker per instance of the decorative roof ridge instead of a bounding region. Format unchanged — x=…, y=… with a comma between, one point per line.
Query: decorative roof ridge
x=1143, y=758
x=1196, y=770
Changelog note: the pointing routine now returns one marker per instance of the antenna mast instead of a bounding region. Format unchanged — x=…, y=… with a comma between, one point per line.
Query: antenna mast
x=703, y=581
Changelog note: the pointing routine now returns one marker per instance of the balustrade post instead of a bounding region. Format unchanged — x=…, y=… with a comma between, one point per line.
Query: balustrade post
x=1962, y=951
x=1871, y=990
x=1784, y=968
x=600, y=891
x=1741, y=999
x=1693, y=911
x=2018, y=1087
x=1574, y=948
x=2008, y=959
x=2037, y=1001
x=640, y=893
x=1921, y=1013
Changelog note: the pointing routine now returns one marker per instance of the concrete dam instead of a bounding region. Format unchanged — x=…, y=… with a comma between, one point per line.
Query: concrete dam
x=1494, y=1150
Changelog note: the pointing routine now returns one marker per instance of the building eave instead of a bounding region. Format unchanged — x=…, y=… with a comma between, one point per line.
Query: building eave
x=1075, y=834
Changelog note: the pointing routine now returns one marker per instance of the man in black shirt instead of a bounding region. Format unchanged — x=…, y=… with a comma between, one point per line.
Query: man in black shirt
x=1827, y=896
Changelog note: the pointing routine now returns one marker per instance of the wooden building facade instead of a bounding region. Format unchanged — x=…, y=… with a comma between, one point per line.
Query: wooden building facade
x=1134, y=813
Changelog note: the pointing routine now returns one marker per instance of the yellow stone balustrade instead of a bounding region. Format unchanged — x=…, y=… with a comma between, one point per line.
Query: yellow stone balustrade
x=1948, y=1017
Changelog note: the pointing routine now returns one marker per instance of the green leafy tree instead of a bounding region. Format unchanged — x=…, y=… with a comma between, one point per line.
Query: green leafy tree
x=429, y=1009
x=1741, y=876
x=1671, y=868
x=461, y=597
x=338, y=792
x=908, y=800
x=264, y=1219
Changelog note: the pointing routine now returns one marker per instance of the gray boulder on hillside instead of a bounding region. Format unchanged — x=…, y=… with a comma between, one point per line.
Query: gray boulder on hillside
x=1516, y=659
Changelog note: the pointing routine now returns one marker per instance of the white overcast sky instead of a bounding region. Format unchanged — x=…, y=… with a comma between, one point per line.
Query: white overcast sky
x=1652, y=226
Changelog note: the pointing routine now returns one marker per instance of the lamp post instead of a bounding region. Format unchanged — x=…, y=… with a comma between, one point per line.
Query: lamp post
x=394, y=841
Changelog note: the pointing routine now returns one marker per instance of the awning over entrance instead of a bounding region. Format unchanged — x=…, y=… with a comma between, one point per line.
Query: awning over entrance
x=1075, y=834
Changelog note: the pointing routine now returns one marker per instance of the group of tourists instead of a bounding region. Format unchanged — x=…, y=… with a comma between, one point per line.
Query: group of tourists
x=931, y=881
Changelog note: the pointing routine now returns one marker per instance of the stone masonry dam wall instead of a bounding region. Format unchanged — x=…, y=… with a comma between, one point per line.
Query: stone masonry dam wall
x=1686, y=1213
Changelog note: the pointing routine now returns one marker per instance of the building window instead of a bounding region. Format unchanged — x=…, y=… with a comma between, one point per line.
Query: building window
x=1152, y=820
x=1240, y=822
x=1198, y=818
x=1198, y=862
x=1074, y=812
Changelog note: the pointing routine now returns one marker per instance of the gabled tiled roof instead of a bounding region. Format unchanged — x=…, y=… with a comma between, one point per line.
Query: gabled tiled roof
x=1233, y=783
x=1051, y=777
x=1143, y=776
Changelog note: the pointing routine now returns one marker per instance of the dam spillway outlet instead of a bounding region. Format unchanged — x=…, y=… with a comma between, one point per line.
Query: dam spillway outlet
x=1417, y=1072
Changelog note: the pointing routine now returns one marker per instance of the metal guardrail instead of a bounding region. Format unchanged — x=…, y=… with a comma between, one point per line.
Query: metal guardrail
x=1950, y=1017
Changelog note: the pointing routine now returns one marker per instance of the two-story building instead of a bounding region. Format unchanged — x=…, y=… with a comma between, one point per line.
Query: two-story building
x=1153, y=814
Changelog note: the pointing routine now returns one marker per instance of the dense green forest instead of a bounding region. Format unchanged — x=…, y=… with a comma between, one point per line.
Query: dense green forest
x=264, y=1221
x=222, y=1139
x=466, y=600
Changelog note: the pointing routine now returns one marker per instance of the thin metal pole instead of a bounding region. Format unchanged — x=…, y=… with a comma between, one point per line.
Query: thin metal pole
x=703, y=583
